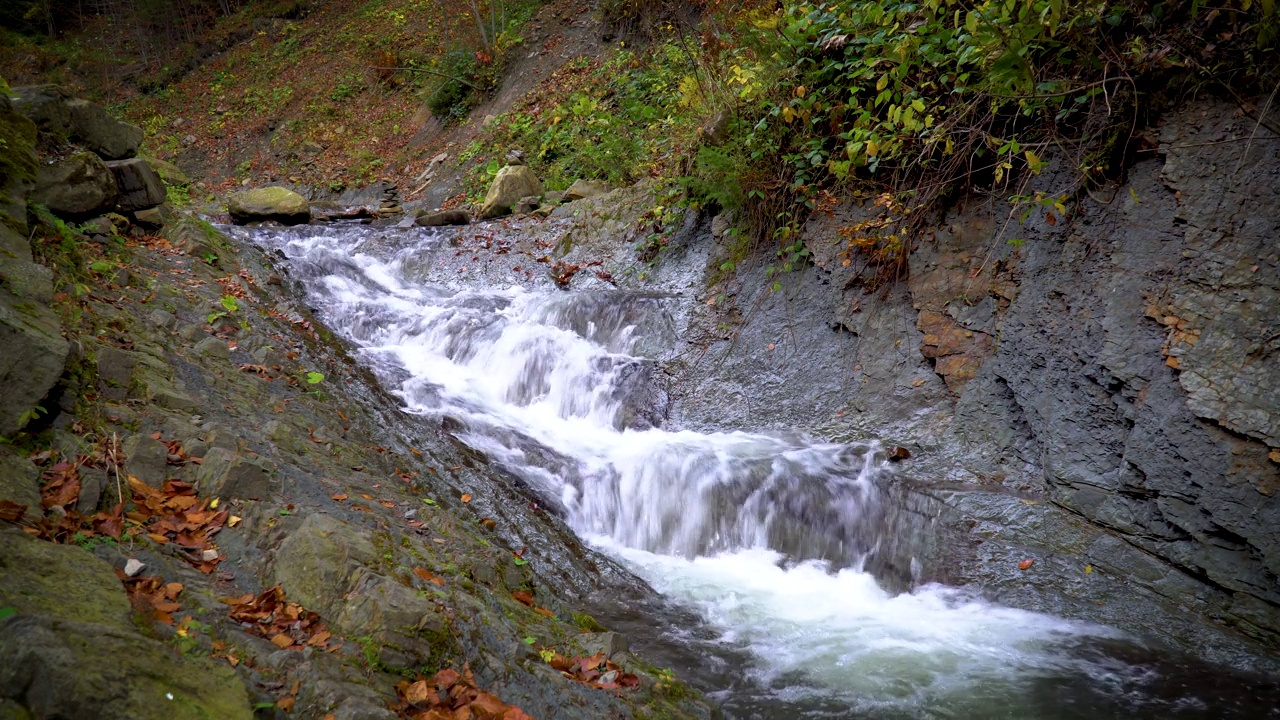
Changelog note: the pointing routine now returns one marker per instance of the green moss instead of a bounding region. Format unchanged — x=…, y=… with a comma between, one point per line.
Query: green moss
x=587, y=623
x=17, y=152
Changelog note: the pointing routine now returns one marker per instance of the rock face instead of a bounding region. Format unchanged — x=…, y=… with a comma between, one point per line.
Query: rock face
x=1121, y=367
x=512, y=183
x=80, y=185
x=32, y=349
x=140, y=186
x=268, y=203
x=56, y=113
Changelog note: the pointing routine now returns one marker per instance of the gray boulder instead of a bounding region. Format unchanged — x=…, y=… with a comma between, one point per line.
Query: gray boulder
x=441, y=218
x=20, y=483
x=170, y=173
x=140, y=186
x=32, y=349
x=57, y=113
x=512, y=183
x=268, y=203
x=79, y=185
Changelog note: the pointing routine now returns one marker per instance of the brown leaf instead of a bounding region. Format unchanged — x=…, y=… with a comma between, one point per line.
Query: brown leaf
x=282, y=641
x=339, y=496
x=544, y=611
x=421, y=693
x=1026, y=564
x=446, y=678
x=11, y=511
x=466, y=497
x=524, y=597
x=387, y=504
x=286, y=703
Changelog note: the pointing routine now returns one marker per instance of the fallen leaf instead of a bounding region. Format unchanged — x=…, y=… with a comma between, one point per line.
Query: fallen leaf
x=286, y=703
x=466, y=497
x=339, y=496
x=282, y=641
x=524, y=597
x=1026, y=564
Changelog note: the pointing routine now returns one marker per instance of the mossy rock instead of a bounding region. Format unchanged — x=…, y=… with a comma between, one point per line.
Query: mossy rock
x=269, y=203
x=60, y=581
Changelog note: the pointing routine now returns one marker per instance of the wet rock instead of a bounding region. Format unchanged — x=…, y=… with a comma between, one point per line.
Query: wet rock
x=609, y=643
x=56, y=112
x=226, y=474
x=33, y=352
x=581, y=189
x=115, y=371
x=512, y=183
x=93, y=481
x=77, y=186
x=146, y=459
x=20, y=483
x=439, y=218
x=63, y=582
x=140, y=186
x=168, y=397
x=268, y=203
x=213, y=347
x=62, y=668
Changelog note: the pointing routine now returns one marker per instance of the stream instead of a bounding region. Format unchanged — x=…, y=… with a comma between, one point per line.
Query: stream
x=767, y=537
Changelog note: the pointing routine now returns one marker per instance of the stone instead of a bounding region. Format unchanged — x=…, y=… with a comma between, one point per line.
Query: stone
x=268, y=203
x=213, y=347
x=146, y=459
x=153, y=218
x=140, y=186
x=168, y=397
x=226, y=474
x=33, y=352
x=171, y=174
x=100, y=225
x=57, y=113
x=72, y=669
x=64, y=582
x=20, y=483
x=512, y=183
x=75, y=187
x=133, y=566
x=526, y=205
x=93, y=481
x=582, y=189
x=439, y=218
x=115, y=371
x=609, y=643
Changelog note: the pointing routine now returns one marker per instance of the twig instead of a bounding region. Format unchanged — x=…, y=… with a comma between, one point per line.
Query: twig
x=1256, y=125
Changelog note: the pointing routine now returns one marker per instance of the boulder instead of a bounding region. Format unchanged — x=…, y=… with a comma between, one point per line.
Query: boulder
x=140, y=186
x=512, y=183
x=526, y=205
x=57, y=113
x=228, y=475
x=146, y=459
x=32, y=349
x=153, y=218
x=581, y=189
x=64, y=582
x=77, y=186
x=440, y=218
x=17, y=165
x=20, y=483
x=171, y=174
x=268, y=203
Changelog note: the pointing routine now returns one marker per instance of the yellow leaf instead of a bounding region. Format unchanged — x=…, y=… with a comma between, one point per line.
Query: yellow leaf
x=883, y=82
x=1088, y=569
x=1034, y=162
x=214, y=505
x=800, y=91
x=233, y=521
x=788, y=114
x=873, y=148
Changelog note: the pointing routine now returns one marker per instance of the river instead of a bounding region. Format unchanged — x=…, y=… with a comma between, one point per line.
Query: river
x=765, y=536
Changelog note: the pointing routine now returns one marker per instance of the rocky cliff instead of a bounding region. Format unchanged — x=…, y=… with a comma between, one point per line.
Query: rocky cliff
x=1097, y=389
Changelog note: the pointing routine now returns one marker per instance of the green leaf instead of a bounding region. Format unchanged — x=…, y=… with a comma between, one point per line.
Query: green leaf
x=521, y=561
x=530, y=640
x=315, y=378
x=230, y=303
x=7, y=612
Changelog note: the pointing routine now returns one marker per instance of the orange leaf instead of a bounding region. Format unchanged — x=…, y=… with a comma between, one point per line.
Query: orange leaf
x=544, y=611
x=286, y=704
x=387, y=504
x=282, y=641
x=524, y=597
x=339, y=496
x=466, y=497
x=1026, y=564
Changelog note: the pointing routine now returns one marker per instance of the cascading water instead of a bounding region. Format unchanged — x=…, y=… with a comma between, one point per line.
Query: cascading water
x=764, y=534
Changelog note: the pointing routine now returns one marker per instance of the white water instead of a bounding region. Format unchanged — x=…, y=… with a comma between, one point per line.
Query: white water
x=736, y=525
